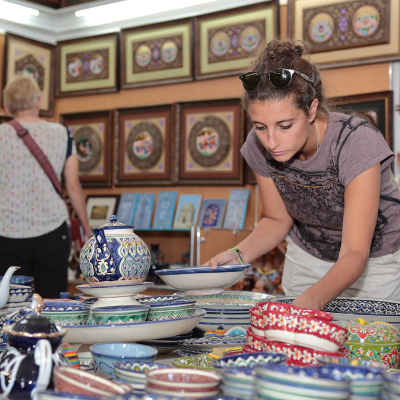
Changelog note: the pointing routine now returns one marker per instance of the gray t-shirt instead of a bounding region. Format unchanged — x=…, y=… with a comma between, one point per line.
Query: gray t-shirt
x=313, y=190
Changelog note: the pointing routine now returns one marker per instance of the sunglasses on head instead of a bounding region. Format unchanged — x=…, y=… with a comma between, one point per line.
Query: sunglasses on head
x=280, y=78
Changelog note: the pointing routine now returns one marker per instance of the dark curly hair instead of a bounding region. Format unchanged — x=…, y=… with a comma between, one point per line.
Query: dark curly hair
x=285, y=54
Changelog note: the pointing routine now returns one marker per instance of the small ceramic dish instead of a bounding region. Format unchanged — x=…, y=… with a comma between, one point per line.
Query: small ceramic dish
x=66, y=312
x=203, y=280
x=106, y=354
x=19, y=293
x=249, y=360
x=72, y=380
x=170, y=310
x=135, y=371
x=85, y=359
x=20, y=280
x=200, y=361
x=120, y=314
x=209, y=343
x=303, y=331
x=253, y=340
x=326, y=360
x=256, y=320
x=117, y=290
x=155, y=299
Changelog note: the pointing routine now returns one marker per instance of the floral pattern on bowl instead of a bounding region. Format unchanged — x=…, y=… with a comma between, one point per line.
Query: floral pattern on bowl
x=200, y=361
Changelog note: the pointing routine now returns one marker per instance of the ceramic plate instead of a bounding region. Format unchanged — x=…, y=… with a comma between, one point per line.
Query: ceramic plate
x=209, y=343
x=109, y=291
x=132, y=332
x=203, y=280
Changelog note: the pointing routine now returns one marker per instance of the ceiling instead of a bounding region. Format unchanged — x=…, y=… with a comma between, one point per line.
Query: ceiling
x=57, y=20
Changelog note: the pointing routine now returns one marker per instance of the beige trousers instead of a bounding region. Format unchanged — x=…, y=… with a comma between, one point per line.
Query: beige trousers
x=380, y=280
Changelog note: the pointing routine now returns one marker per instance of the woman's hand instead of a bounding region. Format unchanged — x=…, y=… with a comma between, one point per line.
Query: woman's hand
x=224, y=258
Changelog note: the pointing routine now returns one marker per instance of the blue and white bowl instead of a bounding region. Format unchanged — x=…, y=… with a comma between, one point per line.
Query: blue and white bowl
x=19, y=293
x=135, y=371
x=249, y=360
x=106, y=354
x=156, y=299
x=66, y=312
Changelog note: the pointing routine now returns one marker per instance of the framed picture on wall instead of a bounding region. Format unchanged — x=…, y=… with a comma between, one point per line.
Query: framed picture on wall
x=100, y=208
x=143, y=146
x=225, y=41
x=87, y=65
x=376, y=108
x=35, y=59
x=92, y=133
x=210, y=136
x=340, y=32
x=157, y=54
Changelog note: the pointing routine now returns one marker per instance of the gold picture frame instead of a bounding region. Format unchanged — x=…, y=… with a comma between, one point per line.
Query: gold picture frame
x=33, y=58
x=87, y=65
x=358, y=49
x=157, y=54
x=225, y=41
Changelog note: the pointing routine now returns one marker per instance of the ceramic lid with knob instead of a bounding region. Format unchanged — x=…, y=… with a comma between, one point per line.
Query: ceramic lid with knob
x=114, y=224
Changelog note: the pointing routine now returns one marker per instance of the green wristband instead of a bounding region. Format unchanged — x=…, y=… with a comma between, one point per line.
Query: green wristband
x=237, y=251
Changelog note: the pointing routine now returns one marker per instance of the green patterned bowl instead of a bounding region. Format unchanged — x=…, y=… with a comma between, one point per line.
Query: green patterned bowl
x=166, y=310
x=113, y=315
x=200, y=361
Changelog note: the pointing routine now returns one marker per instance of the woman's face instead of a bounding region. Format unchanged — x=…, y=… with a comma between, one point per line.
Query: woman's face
x=283, y=129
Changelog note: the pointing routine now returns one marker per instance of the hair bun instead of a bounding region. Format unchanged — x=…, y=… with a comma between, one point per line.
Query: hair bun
x=277, y=49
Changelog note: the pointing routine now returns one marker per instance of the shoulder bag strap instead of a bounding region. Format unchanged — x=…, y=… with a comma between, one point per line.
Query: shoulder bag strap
x=39, y=155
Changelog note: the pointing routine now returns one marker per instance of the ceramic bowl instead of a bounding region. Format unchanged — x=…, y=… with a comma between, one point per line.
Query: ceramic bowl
x=203, y=280
x=256, y=320
x=200, y=361
x=120, y=314
x=52, y=395
x=20, y=280
x=19, y=293
x=253, y=340
x=249, y=360
x=66, y=312
x=155, y=299
x=170, y=309
x=330, y=360
x=315, y=333
x=106, y=354
x=72, y=380
x=299, y=355
x=134, y=371
x=183, y=382
x=85, y=359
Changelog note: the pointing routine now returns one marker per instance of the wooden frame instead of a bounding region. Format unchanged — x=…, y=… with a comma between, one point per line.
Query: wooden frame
x=87, y=65
x=92, y=132
x=217, y=125
x=344, y=44
x=33, y=58
x=225, y=40
x=375, y=107
x=100, y=208
x=157, y=54
x=149, y=127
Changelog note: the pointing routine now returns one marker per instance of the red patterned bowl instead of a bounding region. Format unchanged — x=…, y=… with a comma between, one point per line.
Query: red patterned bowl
x=254, y=341
x=303, y=312
x=256, y=320
x=299, y=355
x=247, y=349
x=315, y=333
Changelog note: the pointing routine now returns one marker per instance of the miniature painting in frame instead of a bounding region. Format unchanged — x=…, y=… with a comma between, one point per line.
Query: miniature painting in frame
x=100, y=209
x=156, y=54
x=165, y=209
x=87, y=65
x=187, y=211
x=340, y=32
x=143, y=146
x=210, y=138
x=376, y=108
x=212, y=213
x=35, y=59
x=226, y=40
x=92, y=136
x=236, y=209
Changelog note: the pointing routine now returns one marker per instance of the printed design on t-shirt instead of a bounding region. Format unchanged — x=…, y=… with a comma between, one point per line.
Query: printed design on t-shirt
x=315, y=200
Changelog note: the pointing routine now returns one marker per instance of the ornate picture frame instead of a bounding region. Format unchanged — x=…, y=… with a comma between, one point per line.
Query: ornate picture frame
x=226, y=40
x=87, y=65
x=144, y=146
x=100, y=208
x=375, y=107
x=35, y=59
x=157, y=54
x=346, y=32
x=92, y=132
x=210, y=135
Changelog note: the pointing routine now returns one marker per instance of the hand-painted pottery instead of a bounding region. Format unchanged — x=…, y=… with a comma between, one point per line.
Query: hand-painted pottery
x=249, y=360
x=253, y=340
x=114, y=255
x=199, y=361
x=163, y=310
x=66, y=312
x=32, y=351
x=120, y=314
x=374, y=341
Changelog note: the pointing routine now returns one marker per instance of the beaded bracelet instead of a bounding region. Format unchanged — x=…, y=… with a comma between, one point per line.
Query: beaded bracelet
x=238, y=252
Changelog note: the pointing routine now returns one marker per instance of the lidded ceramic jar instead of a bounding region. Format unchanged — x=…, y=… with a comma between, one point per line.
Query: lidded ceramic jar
x=373, y=341
x=114, y=255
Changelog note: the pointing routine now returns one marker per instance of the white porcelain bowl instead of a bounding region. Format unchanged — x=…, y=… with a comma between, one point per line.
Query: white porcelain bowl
x=203, y=280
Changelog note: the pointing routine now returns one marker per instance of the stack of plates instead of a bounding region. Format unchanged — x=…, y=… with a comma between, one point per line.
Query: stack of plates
x=227, y=309
x=166, y=345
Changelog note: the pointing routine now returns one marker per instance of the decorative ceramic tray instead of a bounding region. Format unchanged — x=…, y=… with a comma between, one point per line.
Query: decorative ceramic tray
x=203, y=280
x=132, y=332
